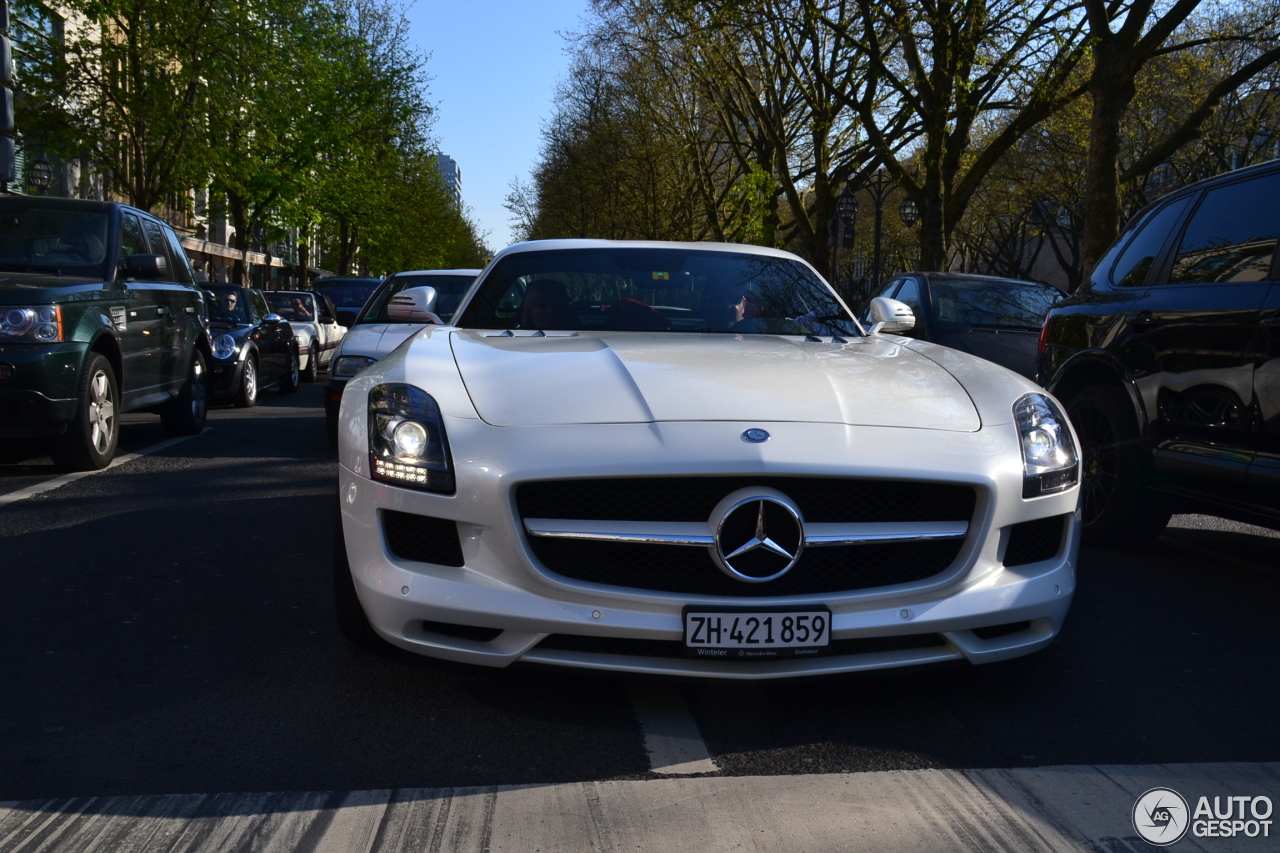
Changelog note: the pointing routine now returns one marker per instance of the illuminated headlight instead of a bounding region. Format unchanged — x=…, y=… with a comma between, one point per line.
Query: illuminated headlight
x=224, y=346
x=38, y=324
x=347, y=366
x=1049, y=459
x=407, y=444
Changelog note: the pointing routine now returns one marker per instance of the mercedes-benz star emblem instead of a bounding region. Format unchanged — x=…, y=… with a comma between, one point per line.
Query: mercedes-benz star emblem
x=759, y=534
x=755, y=435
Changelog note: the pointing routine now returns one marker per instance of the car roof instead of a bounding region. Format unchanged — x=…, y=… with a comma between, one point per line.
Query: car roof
x=435, y=272
x=335, y=279
x=735, y=248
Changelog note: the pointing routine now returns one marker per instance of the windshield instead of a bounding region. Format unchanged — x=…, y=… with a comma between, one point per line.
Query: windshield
x=52, y=240
x=449, y=292
x=347, y=292
x=295, y=307
x=656, y=290
x=228, y=305
x=1004, y=304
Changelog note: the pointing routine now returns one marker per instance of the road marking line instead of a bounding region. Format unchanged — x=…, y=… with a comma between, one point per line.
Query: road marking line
x=671, y=736
x=59, y=482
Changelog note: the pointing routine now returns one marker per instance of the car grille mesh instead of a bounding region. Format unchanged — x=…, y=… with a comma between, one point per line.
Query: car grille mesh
x=821, y=499
x=1033, y=541
x=421, y=538
x=690, y=570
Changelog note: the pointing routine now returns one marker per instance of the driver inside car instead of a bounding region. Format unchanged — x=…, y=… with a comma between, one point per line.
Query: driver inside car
x=723, y=307
x=546, y=306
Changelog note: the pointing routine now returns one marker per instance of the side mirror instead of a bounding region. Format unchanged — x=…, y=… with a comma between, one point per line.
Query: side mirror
x=146, y=266
x=414, y=305
x=272, y=319
x=890, y=315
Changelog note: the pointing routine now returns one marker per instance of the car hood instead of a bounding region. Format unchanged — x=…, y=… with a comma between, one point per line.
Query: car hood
x=376, y=339
x=633, y=377
x=17, y=288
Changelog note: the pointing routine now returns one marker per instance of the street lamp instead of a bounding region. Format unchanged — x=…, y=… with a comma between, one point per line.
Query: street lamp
x=40, y=174
x=847, y=210
x=879, y=185
x=909, y=212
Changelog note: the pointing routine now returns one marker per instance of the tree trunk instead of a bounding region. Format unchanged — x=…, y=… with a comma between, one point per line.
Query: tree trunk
x=240, y=222
x=1111, y=89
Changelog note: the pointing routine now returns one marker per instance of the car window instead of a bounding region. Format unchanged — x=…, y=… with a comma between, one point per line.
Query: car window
x=909, y=295
x=295, y=307
x=227, y=304
x=160, y=246
x=1135, y=261
x=328, y=313
x=131, y=240
x=656, y=289
x=1002, y=304
x=257, y=306
x=35, y=238
x=1232, y=234
x=449, y=292
x=347, y=292
x=181, y=266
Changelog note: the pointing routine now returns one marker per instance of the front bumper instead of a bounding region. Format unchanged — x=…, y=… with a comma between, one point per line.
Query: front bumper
x=224, y=378
x=500, y=586
x=38, y=388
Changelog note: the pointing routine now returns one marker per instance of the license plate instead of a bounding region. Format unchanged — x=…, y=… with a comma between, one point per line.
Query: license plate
x=742, y=635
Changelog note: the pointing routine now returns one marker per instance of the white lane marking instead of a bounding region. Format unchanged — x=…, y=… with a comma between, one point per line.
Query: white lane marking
x=59, y=482
x=671, y=736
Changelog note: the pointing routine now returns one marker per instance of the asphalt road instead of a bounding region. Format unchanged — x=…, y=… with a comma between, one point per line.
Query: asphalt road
x=166, y=627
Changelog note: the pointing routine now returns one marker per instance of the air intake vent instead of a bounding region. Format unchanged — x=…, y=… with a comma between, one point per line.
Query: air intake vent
x=1033, y=541
x=421, y=538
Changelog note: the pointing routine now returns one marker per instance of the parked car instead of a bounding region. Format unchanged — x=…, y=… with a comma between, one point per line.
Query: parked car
x=253, y=348
x=99, y=316
x=763, y=490
x=1168, y=359
x=998, y=319
x=375, y=333
x=314, y=321
x=347, y=294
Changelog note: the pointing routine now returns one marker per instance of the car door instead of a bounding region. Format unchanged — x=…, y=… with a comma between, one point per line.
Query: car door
x=1264, y=471
x=273, y=340
x=331, y=330
x=173, y=363
x=1194, y=334
x=143, y=339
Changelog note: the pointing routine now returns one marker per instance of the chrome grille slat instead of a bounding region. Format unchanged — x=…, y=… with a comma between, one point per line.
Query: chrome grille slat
x=700, y=534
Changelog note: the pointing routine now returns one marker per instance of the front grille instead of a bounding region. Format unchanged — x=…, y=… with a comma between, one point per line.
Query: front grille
x=821, y=499
x=675, y=649
x=1033, y=541
x=689, y=570
x=421, y=538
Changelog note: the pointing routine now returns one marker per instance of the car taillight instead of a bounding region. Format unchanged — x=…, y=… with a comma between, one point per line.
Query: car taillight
x=1044, y=336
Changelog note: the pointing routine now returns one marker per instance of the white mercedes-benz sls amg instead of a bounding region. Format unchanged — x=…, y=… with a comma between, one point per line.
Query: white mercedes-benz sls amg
x=692, y=459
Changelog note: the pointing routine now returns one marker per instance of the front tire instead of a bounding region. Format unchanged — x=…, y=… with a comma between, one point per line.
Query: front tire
x=186, y=413
x=351, y=618
x=1118, y=510
x=313, y=365
x=289, y=384
x=247, y=393
x=89, y=444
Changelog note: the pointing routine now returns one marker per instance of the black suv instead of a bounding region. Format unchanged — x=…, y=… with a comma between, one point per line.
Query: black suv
x=1168, y=360
x=99, y=315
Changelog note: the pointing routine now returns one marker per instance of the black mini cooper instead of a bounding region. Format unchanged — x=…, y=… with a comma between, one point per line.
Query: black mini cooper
x=1168, y=360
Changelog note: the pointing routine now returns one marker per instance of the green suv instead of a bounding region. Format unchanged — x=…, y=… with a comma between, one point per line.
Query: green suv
x=99, y=315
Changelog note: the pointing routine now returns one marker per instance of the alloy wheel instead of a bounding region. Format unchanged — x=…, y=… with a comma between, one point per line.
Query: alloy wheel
x=1100, y=452
x=102, y=412
x=250, y=380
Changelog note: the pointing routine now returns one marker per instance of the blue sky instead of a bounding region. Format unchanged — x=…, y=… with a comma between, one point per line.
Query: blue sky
x=495, y=64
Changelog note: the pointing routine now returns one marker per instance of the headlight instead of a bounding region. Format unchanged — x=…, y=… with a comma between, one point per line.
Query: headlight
x=1049, y=459
x=224, y=346
x=349, y=365
x=407, y=444
x=38, y=324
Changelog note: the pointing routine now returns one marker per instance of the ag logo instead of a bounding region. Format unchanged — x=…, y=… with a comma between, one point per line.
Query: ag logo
x=1160, y=816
